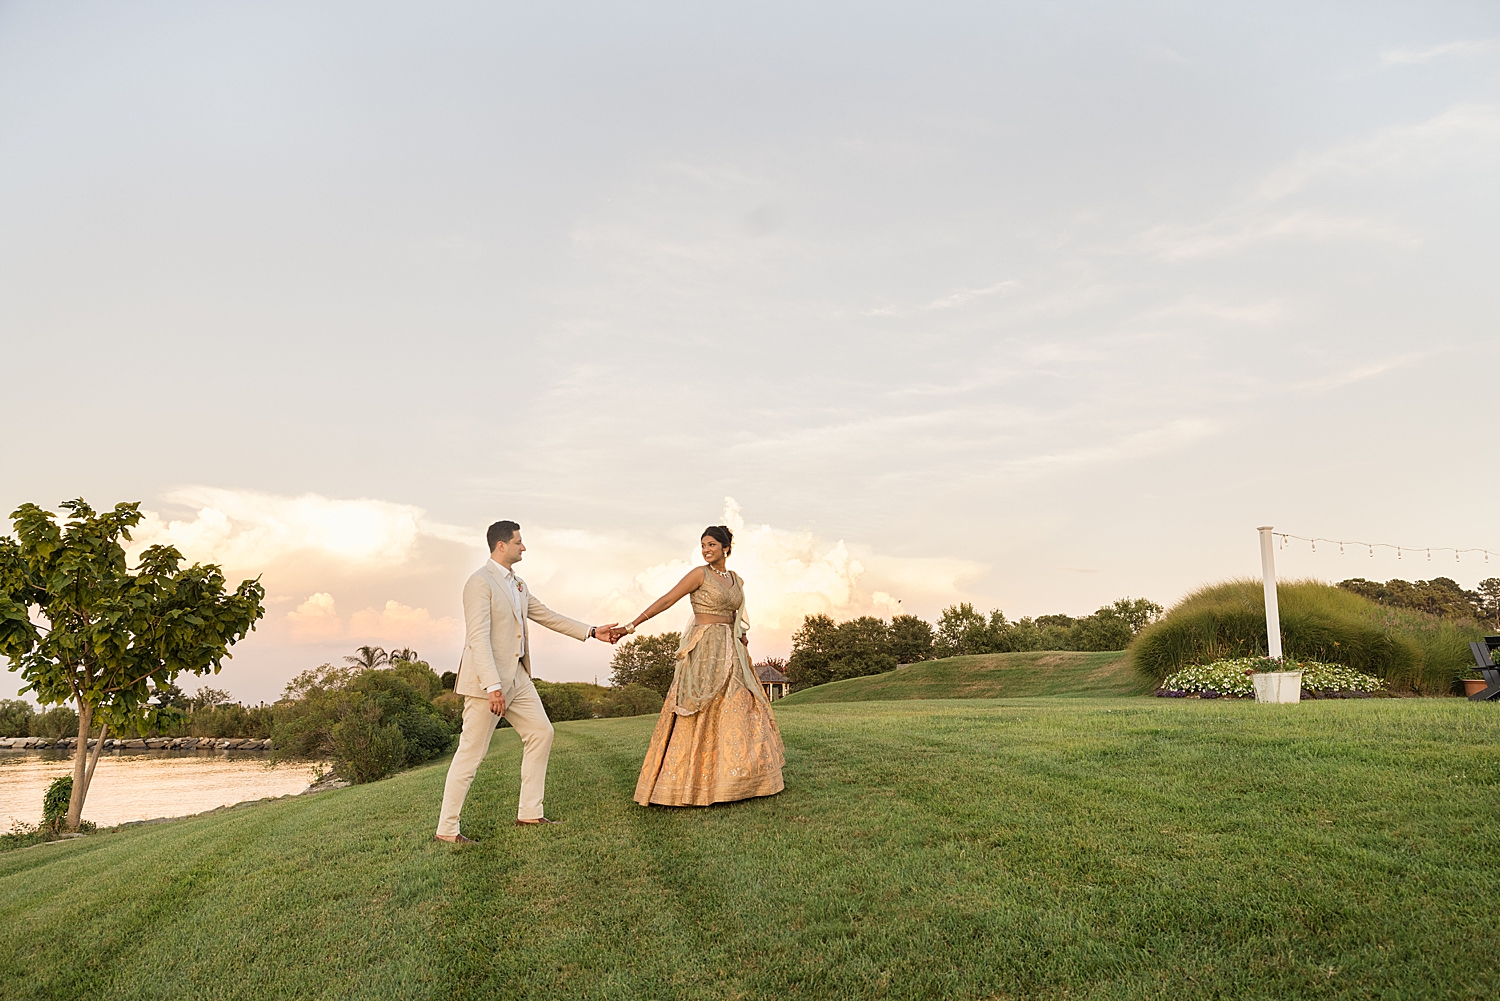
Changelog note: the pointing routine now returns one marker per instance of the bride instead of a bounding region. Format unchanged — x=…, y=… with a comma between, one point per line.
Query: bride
x=716, y=740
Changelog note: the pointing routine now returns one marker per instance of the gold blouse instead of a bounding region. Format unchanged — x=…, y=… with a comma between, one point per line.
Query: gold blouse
x=718, y=596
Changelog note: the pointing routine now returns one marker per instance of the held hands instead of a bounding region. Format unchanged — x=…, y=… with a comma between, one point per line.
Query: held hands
x=612, y=632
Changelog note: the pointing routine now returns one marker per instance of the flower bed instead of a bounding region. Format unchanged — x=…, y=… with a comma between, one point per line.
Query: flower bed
x=1231, y=679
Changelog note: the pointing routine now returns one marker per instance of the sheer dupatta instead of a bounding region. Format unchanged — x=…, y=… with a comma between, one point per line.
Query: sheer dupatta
x=701, y=678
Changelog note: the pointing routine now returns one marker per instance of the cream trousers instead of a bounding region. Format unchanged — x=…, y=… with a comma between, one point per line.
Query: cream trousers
x=523, y=711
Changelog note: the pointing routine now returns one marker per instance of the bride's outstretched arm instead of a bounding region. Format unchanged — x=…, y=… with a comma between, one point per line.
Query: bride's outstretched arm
x=689, y=583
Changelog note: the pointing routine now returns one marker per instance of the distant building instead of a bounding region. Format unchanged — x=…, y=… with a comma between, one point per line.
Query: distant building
x=772, y=681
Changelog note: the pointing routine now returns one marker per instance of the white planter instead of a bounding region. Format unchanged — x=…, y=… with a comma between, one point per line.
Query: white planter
x=1277, y=686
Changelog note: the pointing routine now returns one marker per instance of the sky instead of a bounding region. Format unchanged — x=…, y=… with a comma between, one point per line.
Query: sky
x=1032, y=306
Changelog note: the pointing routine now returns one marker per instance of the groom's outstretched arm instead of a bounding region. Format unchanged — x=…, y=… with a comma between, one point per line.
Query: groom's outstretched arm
x=544, y=616
x=477, y=649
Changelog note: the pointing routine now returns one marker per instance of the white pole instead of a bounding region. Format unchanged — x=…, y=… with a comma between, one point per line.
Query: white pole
x=1273, y=611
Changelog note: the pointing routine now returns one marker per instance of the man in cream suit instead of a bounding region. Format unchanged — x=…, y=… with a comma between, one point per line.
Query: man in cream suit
x=494, y=677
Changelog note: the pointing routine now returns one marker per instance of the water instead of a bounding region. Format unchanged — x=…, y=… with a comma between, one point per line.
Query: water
x=143, y=785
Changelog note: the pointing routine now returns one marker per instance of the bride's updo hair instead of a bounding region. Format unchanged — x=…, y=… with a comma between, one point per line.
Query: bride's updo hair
x=721, y=534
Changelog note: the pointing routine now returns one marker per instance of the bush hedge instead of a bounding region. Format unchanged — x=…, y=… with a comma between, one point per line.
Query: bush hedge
x=1411, y=650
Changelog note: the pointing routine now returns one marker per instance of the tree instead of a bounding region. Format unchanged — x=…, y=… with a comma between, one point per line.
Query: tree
x=81, y=627
x=911, y=639
x=646, y=660
x=861, y=646
x=368, y=657
x=1138, y=613
x=209, y=698
x=1490, y=592
x=813, y=648
x=961, y=631
x=15, y=718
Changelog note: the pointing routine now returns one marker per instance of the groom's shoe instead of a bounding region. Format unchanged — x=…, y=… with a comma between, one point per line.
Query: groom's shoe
x=457, y=839
x=534, y=823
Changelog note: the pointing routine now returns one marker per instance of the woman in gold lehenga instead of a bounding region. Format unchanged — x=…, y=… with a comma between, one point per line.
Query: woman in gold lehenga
x=716, y=740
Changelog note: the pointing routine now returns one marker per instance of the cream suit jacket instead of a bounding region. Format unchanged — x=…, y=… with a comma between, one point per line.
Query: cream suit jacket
x=494, y=635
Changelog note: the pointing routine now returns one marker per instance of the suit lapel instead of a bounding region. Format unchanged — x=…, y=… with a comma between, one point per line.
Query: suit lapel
x=498, y=581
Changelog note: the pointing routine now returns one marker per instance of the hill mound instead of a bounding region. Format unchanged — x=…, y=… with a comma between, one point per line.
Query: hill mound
x=988, y=676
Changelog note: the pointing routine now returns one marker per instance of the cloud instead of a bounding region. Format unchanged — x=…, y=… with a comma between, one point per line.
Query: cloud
x=1435, y=144
x=789, y=575
x=1148, y=442
x=1361, y=372
x=952, y=299
x=1230, y=233
x=1411, y=57
x=404, y=624
x=316, y=619
x=248, y=530
x=1465, y=136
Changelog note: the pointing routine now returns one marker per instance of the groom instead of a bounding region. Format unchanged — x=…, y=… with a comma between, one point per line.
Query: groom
x=494, y=677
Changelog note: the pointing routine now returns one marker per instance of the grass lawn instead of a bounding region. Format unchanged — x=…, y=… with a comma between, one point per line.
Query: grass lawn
x=989, y=676
x=1038, y=848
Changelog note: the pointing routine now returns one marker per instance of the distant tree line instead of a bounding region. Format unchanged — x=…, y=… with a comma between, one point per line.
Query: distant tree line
x=1440, y=596
x=824, y=650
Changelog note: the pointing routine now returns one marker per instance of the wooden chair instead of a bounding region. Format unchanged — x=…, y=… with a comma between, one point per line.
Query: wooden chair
x=1487, y=668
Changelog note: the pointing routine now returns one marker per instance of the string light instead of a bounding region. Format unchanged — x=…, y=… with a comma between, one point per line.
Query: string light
x=1285, y=539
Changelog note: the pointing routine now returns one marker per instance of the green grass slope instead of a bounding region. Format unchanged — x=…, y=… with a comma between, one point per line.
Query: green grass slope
x=1042, y=848
x=988, y=676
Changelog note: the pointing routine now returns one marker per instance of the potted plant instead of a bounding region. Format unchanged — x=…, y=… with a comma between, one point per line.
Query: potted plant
x=1274, y=683
x=1473, y=686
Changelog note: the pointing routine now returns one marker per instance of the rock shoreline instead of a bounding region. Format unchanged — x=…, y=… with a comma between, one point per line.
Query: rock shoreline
x=138, y=744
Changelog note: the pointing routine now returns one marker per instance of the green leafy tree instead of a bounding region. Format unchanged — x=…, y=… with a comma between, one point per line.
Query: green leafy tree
x=814, y=646
x=911, y=639
x=1489, y=608
x=15, y=718
x=1106, y=629
x=59, y=721
x=646, y=660
x=962, y=631
x=208, y=698
x=1441, y=596
x=1138, y=613
x=861, y=646
x=82, y=627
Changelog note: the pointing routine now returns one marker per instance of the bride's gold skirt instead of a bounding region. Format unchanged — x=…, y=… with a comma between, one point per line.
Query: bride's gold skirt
x=729, y=749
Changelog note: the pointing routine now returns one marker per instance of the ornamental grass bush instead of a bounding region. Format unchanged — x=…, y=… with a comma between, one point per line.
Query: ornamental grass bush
x=1410, y=650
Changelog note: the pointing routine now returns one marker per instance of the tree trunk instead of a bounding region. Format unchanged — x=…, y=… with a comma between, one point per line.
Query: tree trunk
x=80, y=765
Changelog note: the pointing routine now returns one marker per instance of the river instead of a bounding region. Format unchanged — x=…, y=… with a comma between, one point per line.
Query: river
x=143, y=785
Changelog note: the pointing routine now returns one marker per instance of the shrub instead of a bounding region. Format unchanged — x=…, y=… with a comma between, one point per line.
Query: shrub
x=363, y=749
x=562, y=701
x=55, y=803
x=15, y=718
x=59, y=722
x=629, y=700
x=369, y=722
x=1319, y=622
